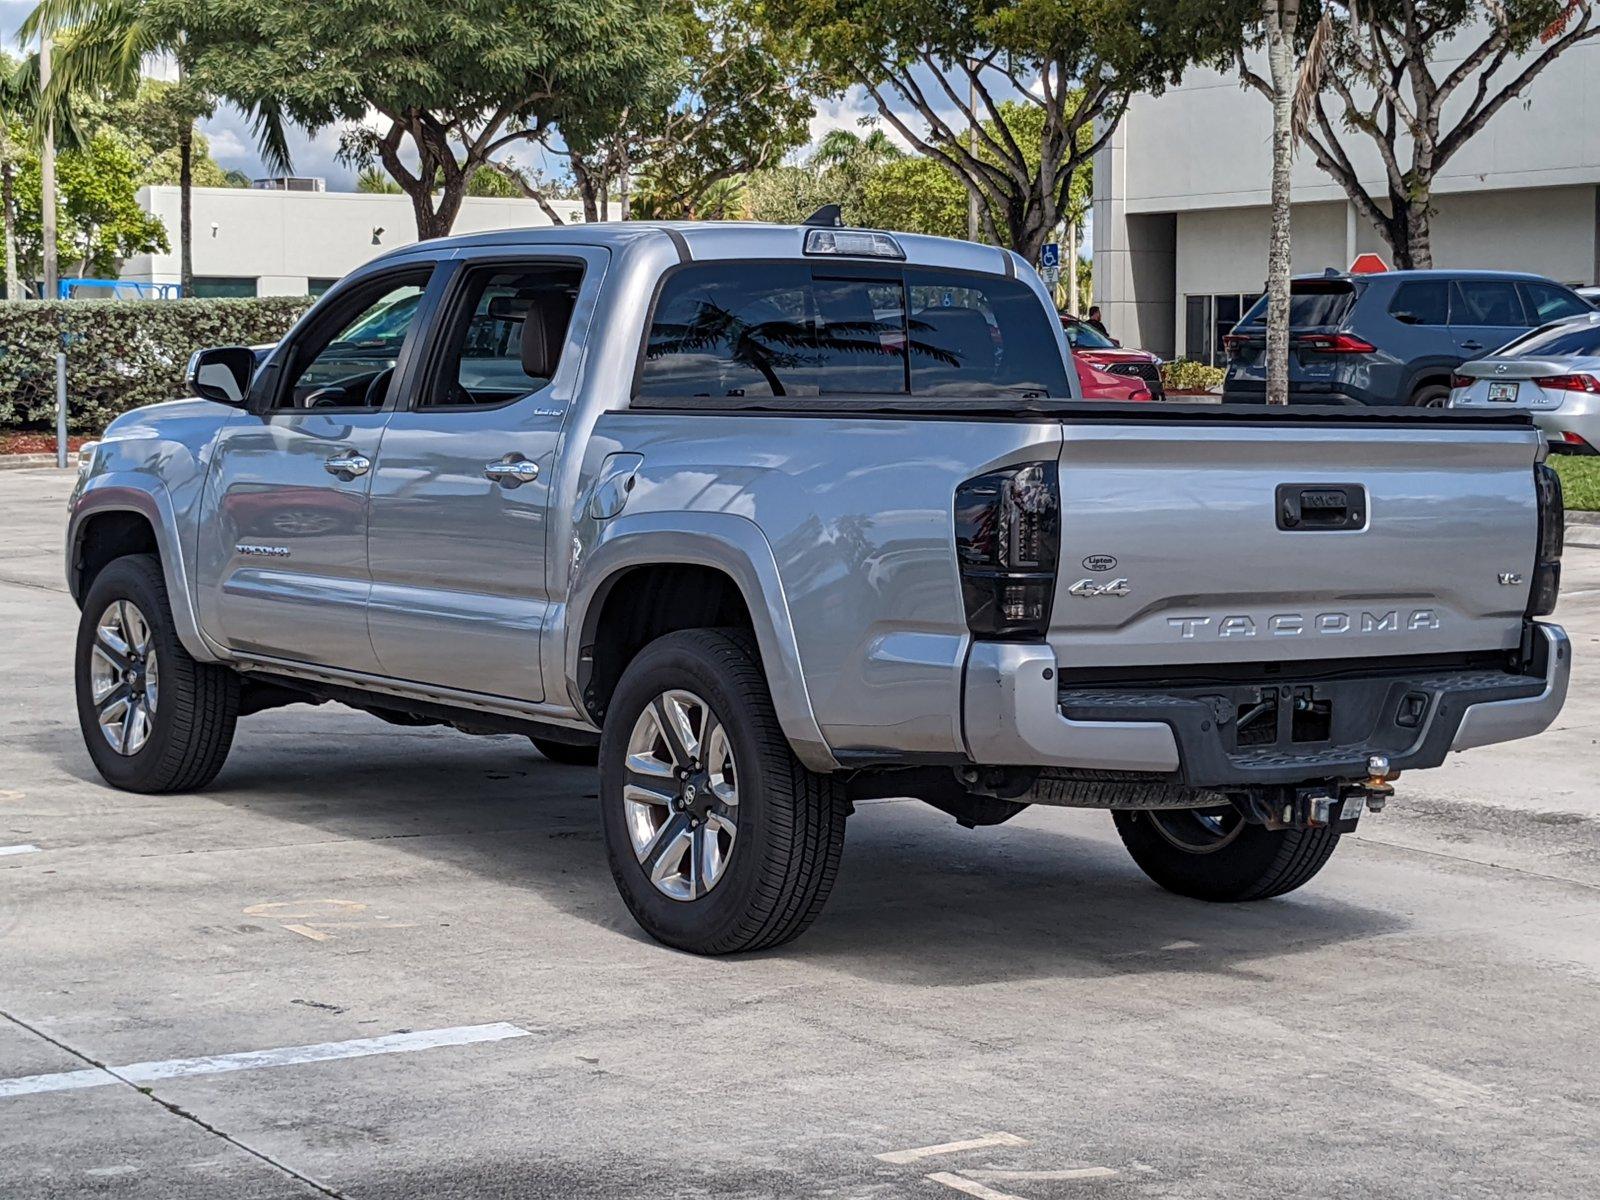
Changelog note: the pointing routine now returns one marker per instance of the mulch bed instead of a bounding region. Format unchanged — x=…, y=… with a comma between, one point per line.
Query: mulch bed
x=36, y=443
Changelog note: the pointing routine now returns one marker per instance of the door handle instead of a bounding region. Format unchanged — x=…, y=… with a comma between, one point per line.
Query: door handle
x=511, y=471
x=1472, y=345
x=348, y=465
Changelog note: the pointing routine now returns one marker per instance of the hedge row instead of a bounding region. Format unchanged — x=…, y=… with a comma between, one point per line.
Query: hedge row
x=120, y=353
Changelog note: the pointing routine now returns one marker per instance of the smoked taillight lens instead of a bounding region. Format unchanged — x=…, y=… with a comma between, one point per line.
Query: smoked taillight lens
x=1461, y=381
x=1552, y=533
x=1008, y=537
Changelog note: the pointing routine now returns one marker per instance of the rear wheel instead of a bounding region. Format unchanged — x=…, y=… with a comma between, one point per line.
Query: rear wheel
x=1430, y=395
x=1215, y=854
x=153, y=718
x=719, y=839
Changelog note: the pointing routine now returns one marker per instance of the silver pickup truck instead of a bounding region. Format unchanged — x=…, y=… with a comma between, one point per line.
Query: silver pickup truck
x=770, y=519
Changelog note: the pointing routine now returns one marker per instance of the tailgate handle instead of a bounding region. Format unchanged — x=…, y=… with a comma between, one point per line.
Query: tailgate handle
x=1314, y=507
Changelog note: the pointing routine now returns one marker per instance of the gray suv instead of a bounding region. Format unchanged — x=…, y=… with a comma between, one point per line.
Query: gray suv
x=1392, y=338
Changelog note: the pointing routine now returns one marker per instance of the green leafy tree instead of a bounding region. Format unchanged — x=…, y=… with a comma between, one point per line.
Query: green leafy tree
x=788, y=195
x=451, y=84
x=1412, y=80
x=374, y=182
x=915, y=194
x=940, y=74
x=100, y=222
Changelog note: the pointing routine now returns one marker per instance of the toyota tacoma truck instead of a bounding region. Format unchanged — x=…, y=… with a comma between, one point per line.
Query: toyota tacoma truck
x=769, y=519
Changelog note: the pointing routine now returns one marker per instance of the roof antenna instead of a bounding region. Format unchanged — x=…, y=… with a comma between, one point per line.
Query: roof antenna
x=828, y=216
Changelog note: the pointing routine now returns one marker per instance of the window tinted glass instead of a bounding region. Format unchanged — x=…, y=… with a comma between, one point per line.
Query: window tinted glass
x=1486, y=302
x=1422, y=302
x=1550, y=303
x=1577, y=338
x=1312, y=304
x=804, y=329
x=348, y=360
x=1085, y=336
x=980, y=335
x=499, y=308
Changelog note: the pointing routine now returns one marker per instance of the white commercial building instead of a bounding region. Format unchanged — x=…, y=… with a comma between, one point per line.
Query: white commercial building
x=1181, y=194
x=260, y=242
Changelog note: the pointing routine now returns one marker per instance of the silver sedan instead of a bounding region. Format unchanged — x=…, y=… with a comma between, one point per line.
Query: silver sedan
x=1553, y=372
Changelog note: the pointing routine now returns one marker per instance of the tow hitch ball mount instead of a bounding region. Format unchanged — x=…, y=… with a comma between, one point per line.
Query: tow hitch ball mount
x=1333, y=803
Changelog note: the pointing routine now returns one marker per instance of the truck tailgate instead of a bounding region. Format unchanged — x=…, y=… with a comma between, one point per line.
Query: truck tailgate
x=1211, y=542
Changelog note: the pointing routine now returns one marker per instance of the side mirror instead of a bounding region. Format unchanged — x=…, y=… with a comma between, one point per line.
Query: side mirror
x=221, y=373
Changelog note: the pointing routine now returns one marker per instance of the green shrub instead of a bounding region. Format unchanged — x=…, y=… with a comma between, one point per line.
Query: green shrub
x=1184, y=375
x=120, y=353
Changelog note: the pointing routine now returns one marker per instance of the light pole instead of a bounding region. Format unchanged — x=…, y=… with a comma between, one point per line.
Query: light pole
x=47, y=175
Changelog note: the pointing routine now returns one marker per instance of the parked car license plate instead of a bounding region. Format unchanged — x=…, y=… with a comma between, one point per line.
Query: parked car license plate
x=1503, y=392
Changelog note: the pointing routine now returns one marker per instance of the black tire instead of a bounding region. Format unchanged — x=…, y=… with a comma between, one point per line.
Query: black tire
x=566, y=753
x=191, y=726
x=1430, y=395
x=1247, y=862
x=790, y=821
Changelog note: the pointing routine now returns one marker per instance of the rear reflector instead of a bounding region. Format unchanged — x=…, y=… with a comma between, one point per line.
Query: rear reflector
x=1462, y=381
x=1569, y=383
x=1573, y=439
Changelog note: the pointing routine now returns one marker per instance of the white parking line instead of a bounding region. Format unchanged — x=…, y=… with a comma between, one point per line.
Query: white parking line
x=250, y=1060
x=970, y=1187
x=985, y=1142
x=996, y=1176
x=27, y=849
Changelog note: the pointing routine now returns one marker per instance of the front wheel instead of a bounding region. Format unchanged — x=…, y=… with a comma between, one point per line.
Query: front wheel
x=1215, y=854
x=154, y=719
x=719, y=839
x=1431, y=395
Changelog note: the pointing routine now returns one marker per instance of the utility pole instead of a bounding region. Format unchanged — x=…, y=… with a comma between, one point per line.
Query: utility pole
x=47, y=175
x=972, y=147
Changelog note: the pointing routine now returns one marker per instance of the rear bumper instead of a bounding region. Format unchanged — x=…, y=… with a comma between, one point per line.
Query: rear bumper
x=1016, y=714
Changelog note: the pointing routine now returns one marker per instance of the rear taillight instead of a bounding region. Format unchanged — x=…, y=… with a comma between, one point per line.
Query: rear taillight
x=1461, y=381
x=1568, y=383
x=1334, y=343
x=1008, y=536
x=1234, y=344
x=1552, y=533
x=1572, y=439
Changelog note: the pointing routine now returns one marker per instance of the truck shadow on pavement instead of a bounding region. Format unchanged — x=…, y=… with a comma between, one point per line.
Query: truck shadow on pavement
x=919, y=901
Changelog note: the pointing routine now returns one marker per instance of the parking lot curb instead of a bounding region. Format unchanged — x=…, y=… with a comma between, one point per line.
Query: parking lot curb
x=16, y=462
x=1583, y=518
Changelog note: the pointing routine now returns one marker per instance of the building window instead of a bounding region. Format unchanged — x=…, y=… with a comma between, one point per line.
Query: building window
x=315, y=287
x=223, y=287
x=1210, y=318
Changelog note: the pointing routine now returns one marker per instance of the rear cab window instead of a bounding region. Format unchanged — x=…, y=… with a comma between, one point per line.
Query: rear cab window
x=794, y=328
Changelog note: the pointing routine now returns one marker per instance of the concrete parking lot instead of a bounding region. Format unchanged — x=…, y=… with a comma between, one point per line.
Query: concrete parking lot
x=400, y=960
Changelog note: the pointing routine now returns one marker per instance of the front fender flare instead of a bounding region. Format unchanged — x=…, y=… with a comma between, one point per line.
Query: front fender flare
x=111, y=493
x=725, y=542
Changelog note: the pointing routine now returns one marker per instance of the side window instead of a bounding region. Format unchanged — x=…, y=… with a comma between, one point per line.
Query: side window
x=1486, y=302
x=1546, y=302
x=979, y=335
x=1421, y=302
x=505, y=336
x=348, y=360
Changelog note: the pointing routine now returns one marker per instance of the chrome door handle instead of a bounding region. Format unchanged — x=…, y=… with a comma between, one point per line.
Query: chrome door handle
x=349, y=465
x=511, y=471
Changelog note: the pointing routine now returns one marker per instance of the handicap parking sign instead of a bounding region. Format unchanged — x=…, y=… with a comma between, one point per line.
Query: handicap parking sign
x=1051, y=257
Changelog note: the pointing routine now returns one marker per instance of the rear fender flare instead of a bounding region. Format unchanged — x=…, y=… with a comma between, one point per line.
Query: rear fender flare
x=725, y=542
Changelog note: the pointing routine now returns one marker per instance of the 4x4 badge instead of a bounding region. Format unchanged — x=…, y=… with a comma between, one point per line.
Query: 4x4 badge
x=1099, y=562
x=1088, y=587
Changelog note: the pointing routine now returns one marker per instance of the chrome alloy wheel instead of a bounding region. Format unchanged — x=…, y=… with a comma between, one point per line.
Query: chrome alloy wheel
x=1198, y=830
x=124, y=677
x=680, y=795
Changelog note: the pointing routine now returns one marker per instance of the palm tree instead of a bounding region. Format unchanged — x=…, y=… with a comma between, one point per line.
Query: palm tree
x=840, y=147
x=104, y=46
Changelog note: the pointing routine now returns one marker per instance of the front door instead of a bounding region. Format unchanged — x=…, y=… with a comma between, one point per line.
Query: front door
x=284, y=523
x=457, y=535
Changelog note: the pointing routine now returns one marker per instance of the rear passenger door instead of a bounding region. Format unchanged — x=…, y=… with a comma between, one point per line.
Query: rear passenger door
x=1485, y=314
x=456, y=538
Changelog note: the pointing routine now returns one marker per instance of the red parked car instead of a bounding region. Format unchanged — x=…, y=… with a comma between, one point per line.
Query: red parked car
x=1103, y=385
x=1104, y=355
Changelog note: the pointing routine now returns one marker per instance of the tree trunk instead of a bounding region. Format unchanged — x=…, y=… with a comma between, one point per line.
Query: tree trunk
x=8, y=203
x=622, y=178
x=1281, y=18
x=585, y=182
x=47, y=184
x=186, y=209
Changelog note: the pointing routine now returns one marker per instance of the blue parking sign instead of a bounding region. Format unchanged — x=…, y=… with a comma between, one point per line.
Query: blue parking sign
x=1051, y=256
